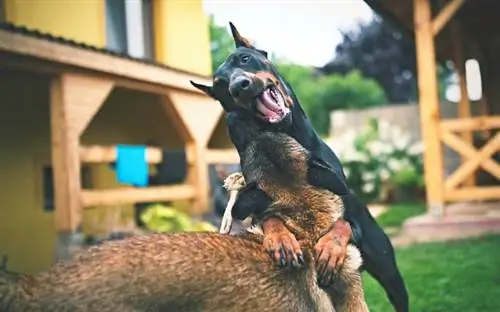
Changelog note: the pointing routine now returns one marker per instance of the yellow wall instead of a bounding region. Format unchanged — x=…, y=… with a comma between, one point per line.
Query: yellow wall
x=27, y=233
x=83, y=21
x=181, y=33
x=182, y=36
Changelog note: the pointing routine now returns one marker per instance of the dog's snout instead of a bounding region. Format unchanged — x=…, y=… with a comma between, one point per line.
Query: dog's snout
x=239, y=84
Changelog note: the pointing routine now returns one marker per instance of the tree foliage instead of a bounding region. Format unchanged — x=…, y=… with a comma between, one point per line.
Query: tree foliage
x=380, y=51
x=221, y=43
x=384, y=52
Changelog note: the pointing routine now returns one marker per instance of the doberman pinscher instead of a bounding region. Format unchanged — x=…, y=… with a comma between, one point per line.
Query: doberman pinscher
x=278, y=109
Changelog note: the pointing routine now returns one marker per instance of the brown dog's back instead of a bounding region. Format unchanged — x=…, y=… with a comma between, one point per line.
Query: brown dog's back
x=170, y=272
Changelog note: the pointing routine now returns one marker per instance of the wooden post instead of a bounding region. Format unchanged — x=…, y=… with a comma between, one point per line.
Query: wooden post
x=74, y=101
x=198, y=176
x=464, y=110
x=429, y=105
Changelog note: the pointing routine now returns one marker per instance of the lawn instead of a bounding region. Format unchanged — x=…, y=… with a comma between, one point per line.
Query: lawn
x=396, y=214
x=443, y=277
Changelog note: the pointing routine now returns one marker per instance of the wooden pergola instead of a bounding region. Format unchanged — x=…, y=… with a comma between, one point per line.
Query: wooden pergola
x=455, y=30
x=81, y=80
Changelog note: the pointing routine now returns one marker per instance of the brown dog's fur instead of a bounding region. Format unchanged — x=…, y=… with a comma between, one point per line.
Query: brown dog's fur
x=278, y=165
x=168, y=272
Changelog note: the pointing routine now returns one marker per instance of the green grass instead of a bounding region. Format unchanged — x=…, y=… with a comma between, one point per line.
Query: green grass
x=396, y=214
x=443, y=277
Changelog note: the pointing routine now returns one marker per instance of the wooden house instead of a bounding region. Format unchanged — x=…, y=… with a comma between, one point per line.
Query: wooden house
x=79, y=77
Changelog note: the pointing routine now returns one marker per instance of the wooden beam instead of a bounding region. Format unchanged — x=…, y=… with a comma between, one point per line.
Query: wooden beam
x=429, y=105
x=99, y=62
x=475, y=158
x=464, y=110
x=66, y=164
x=198, y=177
x=199, y=114
x=74, y=101
x=473, y=123
x=108, y=154
x=85, y=96
x=445, y=15
x=130, y=195
x=222, y=156
x=477, y=193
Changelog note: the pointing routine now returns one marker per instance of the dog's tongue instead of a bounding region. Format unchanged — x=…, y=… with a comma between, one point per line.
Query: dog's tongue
x=267, y=105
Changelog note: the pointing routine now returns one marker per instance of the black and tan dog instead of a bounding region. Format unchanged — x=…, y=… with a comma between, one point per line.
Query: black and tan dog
x=293, y=210
x=276, y=108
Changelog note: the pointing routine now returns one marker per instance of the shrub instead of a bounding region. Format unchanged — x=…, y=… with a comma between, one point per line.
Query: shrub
x=381, y=162
x=161, y=219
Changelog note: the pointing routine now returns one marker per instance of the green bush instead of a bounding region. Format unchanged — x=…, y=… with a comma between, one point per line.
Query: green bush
x=162, y=219
x=381, y=161
x=323, y=94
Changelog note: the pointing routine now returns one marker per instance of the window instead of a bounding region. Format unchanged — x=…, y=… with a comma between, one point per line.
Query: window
x=129, y=27
x=48, y=185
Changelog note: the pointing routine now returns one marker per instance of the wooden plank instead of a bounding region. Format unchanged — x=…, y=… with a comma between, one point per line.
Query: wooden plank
x=476, y=193
x=107, y=154
x=464, y=110
x=85, y=96
x=198, y=177
x=65, y=161
x=445, y=15
x=200, y=114
x=476, y=159
x=99, y=62
x=429, y=105
x=222, y=156
x=130, y=195
x=472, y=123
x=75, y=99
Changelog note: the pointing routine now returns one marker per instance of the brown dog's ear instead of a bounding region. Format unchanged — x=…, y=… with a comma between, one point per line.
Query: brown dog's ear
x=239, y=41
x=208, y=90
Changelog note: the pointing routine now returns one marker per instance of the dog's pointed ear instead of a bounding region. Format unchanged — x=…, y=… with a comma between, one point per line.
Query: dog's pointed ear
x=208, y=90
x=239, y=41
x=262, y=52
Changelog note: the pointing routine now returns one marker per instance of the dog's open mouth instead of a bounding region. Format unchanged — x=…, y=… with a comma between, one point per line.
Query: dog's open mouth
x=271, y=105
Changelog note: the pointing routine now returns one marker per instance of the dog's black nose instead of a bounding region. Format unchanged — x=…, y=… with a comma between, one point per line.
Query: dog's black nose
x=239, y=84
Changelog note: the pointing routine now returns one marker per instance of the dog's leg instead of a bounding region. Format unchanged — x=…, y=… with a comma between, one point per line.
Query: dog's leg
x=281, y=244
x=331, y=251
x=347, y=292
x=378, y=255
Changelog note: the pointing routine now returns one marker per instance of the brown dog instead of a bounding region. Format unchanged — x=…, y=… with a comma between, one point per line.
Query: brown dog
x=170, y=272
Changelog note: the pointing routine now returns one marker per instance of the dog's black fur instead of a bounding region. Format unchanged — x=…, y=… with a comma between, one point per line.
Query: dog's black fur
x=376, y=248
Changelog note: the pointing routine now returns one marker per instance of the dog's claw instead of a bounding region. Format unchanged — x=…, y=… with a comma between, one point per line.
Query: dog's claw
x=301, y=259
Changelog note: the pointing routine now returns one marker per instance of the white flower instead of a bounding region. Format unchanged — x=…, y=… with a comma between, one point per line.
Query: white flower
x=367, y=176
x=376, y=148
x=401, y=141
x=368, y=187
x=395, y=164
x=384, y=174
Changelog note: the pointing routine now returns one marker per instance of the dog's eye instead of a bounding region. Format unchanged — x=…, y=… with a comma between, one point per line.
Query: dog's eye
x=244, y=59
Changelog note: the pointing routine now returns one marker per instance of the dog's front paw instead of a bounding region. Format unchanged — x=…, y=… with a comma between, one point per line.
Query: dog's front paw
x=331, y=251
x=281, y=244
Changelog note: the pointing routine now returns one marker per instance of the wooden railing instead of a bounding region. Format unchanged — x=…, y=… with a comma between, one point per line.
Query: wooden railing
x=474, y=158
x=129, y=195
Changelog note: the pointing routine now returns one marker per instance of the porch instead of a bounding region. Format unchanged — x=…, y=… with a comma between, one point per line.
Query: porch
x=64, y=108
